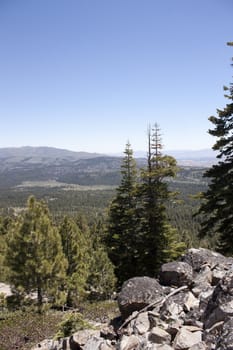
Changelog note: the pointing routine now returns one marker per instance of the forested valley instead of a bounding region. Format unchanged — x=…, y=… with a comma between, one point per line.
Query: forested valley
x=71, y=232
x=72, y=215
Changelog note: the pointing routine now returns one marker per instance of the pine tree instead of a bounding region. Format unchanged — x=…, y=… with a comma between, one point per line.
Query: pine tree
x=34, y=253
x=218, y=200
x=76, y=250
x=101, y=279
x=122, y=222
x=157, y=239
x=5, y=223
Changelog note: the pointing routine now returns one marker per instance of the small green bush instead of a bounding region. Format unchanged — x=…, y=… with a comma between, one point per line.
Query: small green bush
x=72, y=323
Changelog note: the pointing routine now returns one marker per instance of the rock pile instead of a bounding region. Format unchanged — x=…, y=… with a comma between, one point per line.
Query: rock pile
x=189, y=307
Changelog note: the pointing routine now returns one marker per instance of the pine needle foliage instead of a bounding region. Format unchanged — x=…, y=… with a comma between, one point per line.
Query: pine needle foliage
x=34, y=253
x=159, y=240
x=140, y=236
x=217, y=207
x=123, y=222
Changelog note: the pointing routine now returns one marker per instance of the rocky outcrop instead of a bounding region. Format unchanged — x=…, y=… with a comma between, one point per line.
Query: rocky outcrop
x=138, y=293
x=190, y=307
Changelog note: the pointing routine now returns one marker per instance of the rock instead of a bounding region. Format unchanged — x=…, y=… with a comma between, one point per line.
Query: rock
x=202, y=281
x=225, y=341
x=80, y=338
x=159, y=336
x=191, y=302
x=108, y=333
x=218, y=273
x=129, y=343
x=163, y=347
x=142, y=323
x=197, y=317
x=106, y=346
x=5, y=289
x=220, y=306
x=138, y=292
x=48, y=344
x=94, y=343
x=211, y=335
x=199, y=346
x=176, y=273
x=173, y=307
x=185, y=339
x=193, y=318
x=199, y=257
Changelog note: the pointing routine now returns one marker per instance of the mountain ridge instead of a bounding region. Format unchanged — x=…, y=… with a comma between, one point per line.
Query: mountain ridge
x=54, y=152
x=44, y=152
x=48, y=164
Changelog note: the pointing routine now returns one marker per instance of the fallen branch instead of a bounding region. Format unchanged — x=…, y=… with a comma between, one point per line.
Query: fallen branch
x=154, y=303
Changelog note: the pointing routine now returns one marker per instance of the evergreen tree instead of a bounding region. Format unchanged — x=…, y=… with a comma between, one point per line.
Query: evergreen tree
x=34, y=253
x=101, y=279
x=218, y=200
x=122, y=222
x=157, y=239
x=76, y=250
x=5, y=223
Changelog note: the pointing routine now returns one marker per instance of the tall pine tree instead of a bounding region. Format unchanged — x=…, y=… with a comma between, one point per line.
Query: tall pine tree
x=158, y=241
x=218, y=199
x=101, y=279
x=122, y=223
x=76, y=250
x=34, y=253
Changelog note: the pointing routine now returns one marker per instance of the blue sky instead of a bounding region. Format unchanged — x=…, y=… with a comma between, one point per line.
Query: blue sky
x=88, y=75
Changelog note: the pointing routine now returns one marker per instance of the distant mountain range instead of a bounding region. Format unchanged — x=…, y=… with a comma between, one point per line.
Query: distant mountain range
x=29, y=154
x=19, y=165
x=203, y=157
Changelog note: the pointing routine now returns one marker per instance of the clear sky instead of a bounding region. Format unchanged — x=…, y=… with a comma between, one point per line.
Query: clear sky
x=88, y=75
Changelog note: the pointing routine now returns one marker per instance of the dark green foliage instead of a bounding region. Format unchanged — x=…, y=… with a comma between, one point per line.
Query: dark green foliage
x=123, y=222
x=72, y=323
x=158, y=240
x=34, y=253
x=139, y=236
x=218, y=199
x=4, y=227
x=76, y=250
x=101, y=279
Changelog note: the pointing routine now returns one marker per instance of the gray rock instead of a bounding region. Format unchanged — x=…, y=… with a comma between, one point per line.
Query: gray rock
x=129, y=343
x=141, y=324
x=199, y=317
x=81, y=337
x=173, y=308
x=185, y=339
x=94, y=343
x=199, y=346
x=218, y=273
x=191, y=302
x=202, y=281
x=220, y=306
x=176, y=273
x=199, y=257
x=163, y=347
x=159, y=336
x=225, y=341
x=138, y=292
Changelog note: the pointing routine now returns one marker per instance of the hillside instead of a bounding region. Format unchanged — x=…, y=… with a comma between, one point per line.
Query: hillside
x=19, y=165
x=32, y=164
x=71, y=183
x=45, y=155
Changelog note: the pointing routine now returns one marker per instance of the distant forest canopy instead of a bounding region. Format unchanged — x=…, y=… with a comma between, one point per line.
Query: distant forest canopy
x=72, y=182
x=77, y=199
